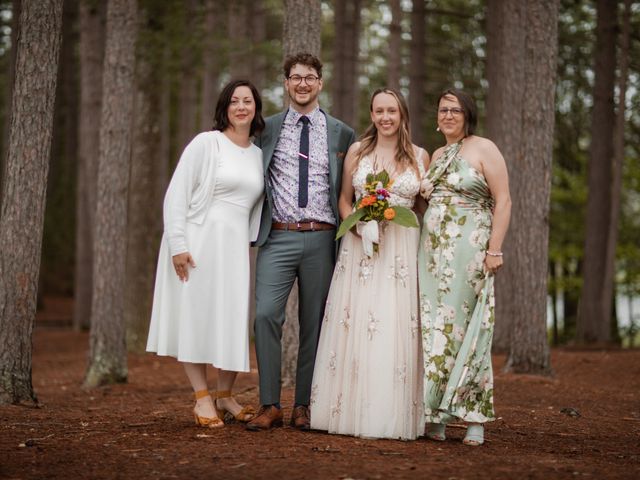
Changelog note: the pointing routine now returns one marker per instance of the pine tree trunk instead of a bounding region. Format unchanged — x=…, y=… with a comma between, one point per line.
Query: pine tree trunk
x=238, y=28
x=506, y=24
x=417, y=75
x=258, y=35
x=108, y=353
x=394, y=58
x=24, y=192
x=149, y=173
x=529, y=349
x=187, y=90
x=91, y=52
x=58, y=249
x=301, y=33
x=211, y=65
x=608, y=294
x=595, y=309
x=16, y=6
x=344, y=81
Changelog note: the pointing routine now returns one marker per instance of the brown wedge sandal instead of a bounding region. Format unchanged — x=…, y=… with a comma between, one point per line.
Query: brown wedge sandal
x=244, y=415
x=215, y=422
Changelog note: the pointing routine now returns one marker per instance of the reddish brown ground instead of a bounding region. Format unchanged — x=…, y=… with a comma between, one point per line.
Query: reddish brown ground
x=144, y=429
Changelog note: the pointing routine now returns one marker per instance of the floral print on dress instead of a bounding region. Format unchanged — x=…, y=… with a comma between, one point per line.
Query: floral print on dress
x=456, y=296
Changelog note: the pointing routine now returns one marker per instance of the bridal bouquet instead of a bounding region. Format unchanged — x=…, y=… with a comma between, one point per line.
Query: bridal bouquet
x=373, y=210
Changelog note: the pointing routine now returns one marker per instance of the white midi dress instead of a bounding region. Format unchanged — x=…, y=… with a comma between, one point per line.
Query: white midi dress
x=206, y=319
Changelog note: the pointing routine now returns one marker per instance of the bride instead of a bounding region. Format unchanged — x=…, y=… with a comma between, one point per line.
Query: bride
x=367, y=379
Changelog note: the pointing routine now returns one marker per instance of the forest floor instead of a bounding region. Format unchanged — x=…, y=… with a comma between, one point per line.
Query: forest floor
x=144, y=429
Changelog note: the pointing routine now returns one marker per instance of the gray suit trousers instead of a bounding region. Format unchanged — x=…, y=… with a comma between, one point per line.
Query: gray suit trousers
x=287, y=255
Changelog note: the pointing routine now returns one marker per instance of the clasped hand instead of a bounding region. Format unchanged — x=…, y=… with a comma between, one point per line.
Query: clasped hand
x=181, y=264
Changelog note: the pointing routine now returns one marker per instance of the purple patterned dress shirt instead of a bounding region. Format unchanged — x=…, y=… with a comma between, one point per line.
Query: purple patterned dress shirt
x=283, y=171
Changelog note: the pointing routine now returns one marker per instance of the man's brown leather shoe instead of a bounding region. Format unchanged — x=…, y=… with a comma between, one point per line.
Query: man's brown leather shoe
x=268, y=416
x=300, y=418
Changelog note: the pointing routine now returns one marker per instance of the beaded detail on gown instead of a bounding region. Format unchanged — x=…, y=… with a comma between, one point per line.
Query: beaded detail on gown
x=368, y=374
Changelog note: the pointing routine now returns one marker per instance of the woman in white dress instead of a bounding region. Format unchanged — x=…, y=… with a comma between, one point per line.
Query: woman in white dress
x=211, y=213
x=367, y=379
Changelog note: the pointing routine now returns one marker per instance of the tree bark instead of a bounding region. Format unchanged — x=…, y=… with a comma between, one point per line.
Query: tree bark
x=24, y=192
x=58, y=249
x=16, y=6
x=346, y=48
x=239, y=34
x=91, y=52
x=149, y=175
x=506, y=24
x=187, y=90
x=529, y=349
x=108, y=354
x=257, y=14
x=608, y=293
x=301, y=33
x=417, y=75
x=211, y=65
x=595, y=303
x=394, y=58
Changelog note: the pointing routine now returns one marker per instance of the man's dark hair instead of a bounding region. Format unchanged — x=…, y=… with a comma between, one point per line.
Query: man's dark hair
x=302, y=58
x=221, y=119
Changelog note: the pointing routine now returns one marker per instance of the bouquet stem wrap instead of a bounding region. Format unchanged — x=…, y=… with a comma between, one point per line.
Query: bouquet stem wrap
x=370, y=233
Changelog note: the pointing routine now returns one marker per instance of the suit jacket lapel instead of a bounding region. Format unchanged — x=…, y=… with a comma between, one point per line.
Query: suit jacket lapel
x=272, y=133
x=333, y=136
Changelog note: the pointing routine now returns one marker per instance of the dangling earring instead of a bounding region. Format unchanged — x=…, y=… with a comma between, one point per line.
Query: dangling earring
x=437, y=129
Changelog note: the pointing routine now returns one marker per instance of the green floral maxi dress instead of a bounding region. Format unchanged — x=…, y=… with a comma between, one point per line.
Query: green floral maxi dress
x=456, y=297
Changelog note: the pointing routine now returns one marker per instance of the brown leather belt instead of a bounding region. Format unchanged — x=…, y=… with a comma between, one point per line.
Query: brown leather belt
x=302, y=226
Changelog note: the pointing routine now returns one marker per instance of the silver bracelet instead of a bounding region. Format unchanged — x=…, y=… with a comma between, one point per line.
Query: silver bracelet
x=494, y=254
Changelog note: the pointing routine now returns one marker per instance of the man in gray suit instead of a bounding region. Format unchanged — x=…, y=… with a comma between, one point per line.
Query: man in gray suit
x=303, y=150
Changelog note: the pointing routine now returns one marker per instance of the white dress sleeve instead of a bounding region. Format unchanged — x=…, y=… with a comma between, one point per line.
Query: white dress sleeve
x=177, y=200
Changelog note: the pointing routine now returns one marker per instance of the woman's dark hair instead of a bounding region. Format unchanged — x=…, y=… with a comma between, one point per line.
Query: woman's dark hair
x=221, y=119
x=468, y=106
x=302, y=58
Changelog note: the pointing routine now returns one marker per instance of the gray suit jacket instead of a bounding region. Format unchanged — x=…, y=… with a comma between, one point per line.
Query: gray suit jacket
x=339, y=138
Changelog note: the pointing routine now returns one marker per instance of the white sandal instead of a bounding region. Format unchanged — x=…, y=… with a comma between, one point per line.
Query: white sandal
x=475, y=435
x=435, y=431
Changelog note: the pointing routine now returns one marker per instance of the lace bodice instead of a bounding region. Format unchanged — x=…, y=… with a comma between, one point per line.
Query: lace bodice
x=405, y=185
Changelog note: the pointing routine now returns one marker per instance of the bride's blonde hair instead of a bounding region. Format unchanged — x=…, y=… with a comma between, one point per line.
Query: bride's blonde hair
x=405, y=156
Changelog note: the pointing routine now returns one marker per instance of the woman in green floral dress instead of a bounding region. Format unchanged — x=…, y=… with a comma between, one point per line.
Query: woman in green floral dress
x=467, y=190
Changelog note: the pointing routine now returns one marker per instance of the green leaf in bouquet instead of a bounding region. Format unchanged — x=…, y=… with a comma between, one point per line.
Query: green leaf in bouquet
x=405, y=217
x=383, y=177
x=348, y=223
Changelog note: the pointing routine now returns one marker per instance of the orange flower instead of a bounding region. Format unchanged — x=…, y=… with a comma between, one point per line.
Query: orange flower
x=367, y=201
x=389, y=214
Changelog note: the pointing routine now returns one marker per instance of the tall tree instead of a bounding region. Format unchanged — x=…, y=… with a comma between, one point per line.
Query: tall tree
x=618, y=163
x=529, y=350
x=16, y=6
x=394, y=60
x=417, y=69
x=301, y=33
x=91, y=52
x=24, y=192
x=257, y=36
x=239, y=23
x=56, y=272
x=346, y=48
x=597, y=291
x=211, y=64
x=506, y=22
x=108, y=354
x=187, y=88
x=147, y=184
